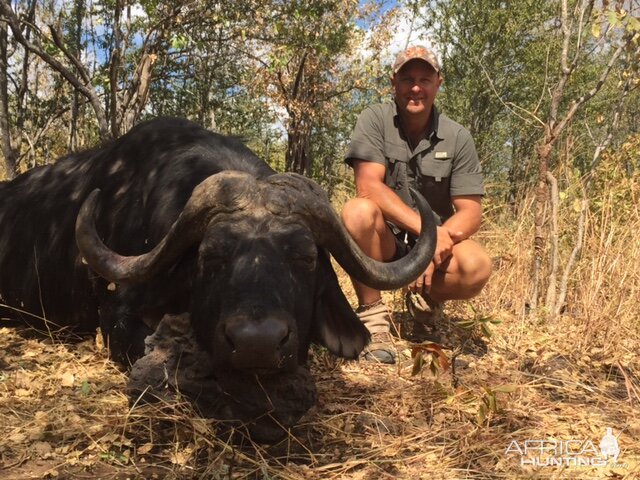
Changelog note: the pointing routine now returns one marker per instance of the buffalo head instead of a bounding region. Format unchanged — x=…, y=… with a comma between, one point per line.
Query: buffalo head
x=262, y=287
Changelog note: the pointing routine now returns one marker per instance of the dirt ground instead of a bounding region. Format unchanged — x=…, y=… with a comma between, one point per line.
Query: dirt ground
x=532, y=400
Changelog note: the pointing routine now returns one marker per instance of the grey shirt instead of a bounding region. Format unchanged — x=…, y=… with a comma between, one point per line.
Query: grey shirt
x=443, y=165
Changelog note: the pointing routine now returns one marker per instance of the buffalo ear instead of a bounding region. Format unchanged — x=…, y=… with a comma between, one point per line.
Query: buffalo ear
x=335, y=325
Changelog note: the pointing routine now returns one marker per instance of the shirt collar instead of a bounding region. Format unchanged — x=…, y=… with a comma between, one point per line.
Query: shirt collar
x=434, y=122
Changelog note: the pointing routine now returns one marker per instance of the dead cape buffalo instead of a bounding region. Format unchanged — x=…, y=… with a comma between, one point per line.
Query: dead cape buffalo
x=200, y=225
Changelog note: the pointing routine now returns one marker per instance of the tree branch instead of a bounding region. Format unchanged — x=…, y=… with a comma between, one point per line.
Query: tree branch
x=596, y=88
x=602, y=146
x=88, y=92
x=562, y=294
x=299, y=74
x=72, y=58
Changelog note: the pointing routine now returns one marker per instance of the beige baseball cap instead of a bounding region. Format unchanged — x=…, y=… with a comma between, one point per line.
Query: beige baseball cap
x=416, y=52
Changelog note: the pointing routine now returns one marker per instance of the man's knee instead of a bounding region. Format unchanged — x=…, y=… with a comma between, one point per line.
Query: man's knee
x=475, y=268
x=361, y=215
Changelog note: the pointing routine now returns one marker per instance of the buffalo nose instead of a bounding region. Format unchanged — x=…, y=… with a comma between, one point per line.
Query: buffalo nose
x=258, y=344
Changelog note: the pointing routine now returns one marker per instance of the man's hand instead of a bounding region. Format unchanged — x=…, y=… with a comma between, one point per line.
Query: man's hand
x=456, y=236
x=422, y=284
x=447, y=238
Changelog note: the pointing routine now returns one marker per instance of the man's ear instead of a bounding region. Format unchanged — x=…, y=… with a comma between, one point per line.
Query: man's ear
x=335, y=325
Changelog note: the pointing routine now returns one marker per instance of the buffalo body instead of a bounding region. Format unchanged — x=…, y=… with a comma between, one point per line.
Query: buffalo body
x=172, y=218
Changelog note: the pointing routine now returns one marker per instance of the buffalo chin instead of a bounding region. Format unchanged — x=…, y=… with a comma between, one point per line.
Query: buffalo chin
x=264, y=404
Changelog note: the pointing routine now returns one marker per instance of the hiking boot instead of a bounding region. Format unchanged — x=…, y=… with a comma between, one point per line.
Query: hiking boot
x=377, y=319
x=423, y=309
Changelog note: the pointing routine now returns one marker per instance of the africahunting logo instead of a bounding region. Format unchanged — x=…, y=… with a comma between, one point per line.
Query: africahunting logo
x=568, y=453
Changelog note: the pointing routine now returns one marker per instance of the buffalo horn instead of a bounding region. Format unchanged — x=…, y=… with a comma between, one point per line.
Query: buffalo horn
x=314, y=206
x=220, y=193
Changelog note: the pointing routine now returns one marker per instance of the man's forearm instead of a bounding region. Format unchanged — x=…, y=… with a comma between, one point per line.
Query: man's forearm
x=464, y=224
x=467, y=219
x=391, y=205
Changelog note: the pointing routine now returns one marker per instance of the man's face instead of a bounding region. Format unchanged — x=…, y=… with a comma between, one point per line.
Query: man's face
x=416, y=85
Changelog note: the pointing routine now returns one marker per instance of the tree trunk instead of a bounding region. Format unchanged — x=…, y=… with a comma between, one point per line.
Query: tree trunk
x=297, y=158
x=9, y=153
x=552, y=287
x=114, y=67
x=79, y=9
x=543, y=152
x=139, y=93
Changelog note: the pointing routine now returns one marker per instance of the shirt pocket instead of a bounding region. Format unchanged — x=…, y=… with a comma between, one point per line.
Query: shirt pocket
x=397, y=177
x=395, y=153
x=438, y=168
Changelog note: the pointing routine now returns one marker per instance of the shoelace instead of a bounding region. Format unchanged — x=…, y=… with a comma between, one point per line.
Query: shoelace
x=380, y=337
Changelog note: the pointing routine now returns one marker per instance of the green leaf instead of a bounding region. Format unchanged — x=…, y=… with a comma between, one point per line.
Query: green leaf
x=633, y=24
x=433, y=366
x=596, y=30
x=179, y=42
x=613, y=18
x=481, y=416
x=466, y=324
x=85, y=388
x=492, y=404
x=485, y=330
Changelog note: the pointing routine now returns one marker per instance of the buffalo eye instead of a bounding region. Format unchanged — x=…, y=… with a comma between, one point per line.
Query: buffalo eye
x=308, y=262
x=217, y=255
x=299, y=248
x=216, y=260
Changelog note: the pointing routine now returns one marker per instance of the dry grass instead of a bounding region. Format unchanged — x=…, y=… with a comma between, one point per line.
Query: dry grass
x=64, y=414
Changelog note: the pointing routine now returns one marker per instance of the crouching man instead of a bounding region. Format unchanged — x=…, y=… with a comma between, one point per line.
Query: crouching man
x=410, y=143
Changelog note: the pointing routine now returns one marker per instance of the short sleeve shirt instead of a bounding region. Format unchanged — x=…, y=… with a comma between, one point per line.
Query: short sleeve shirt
x=444, y=164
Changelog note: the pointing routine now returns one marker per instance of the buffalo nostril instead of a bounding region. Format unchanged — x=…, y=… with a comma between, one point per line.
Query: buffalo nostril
x=230, y=341
x=257, y=311
x=285, y=340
